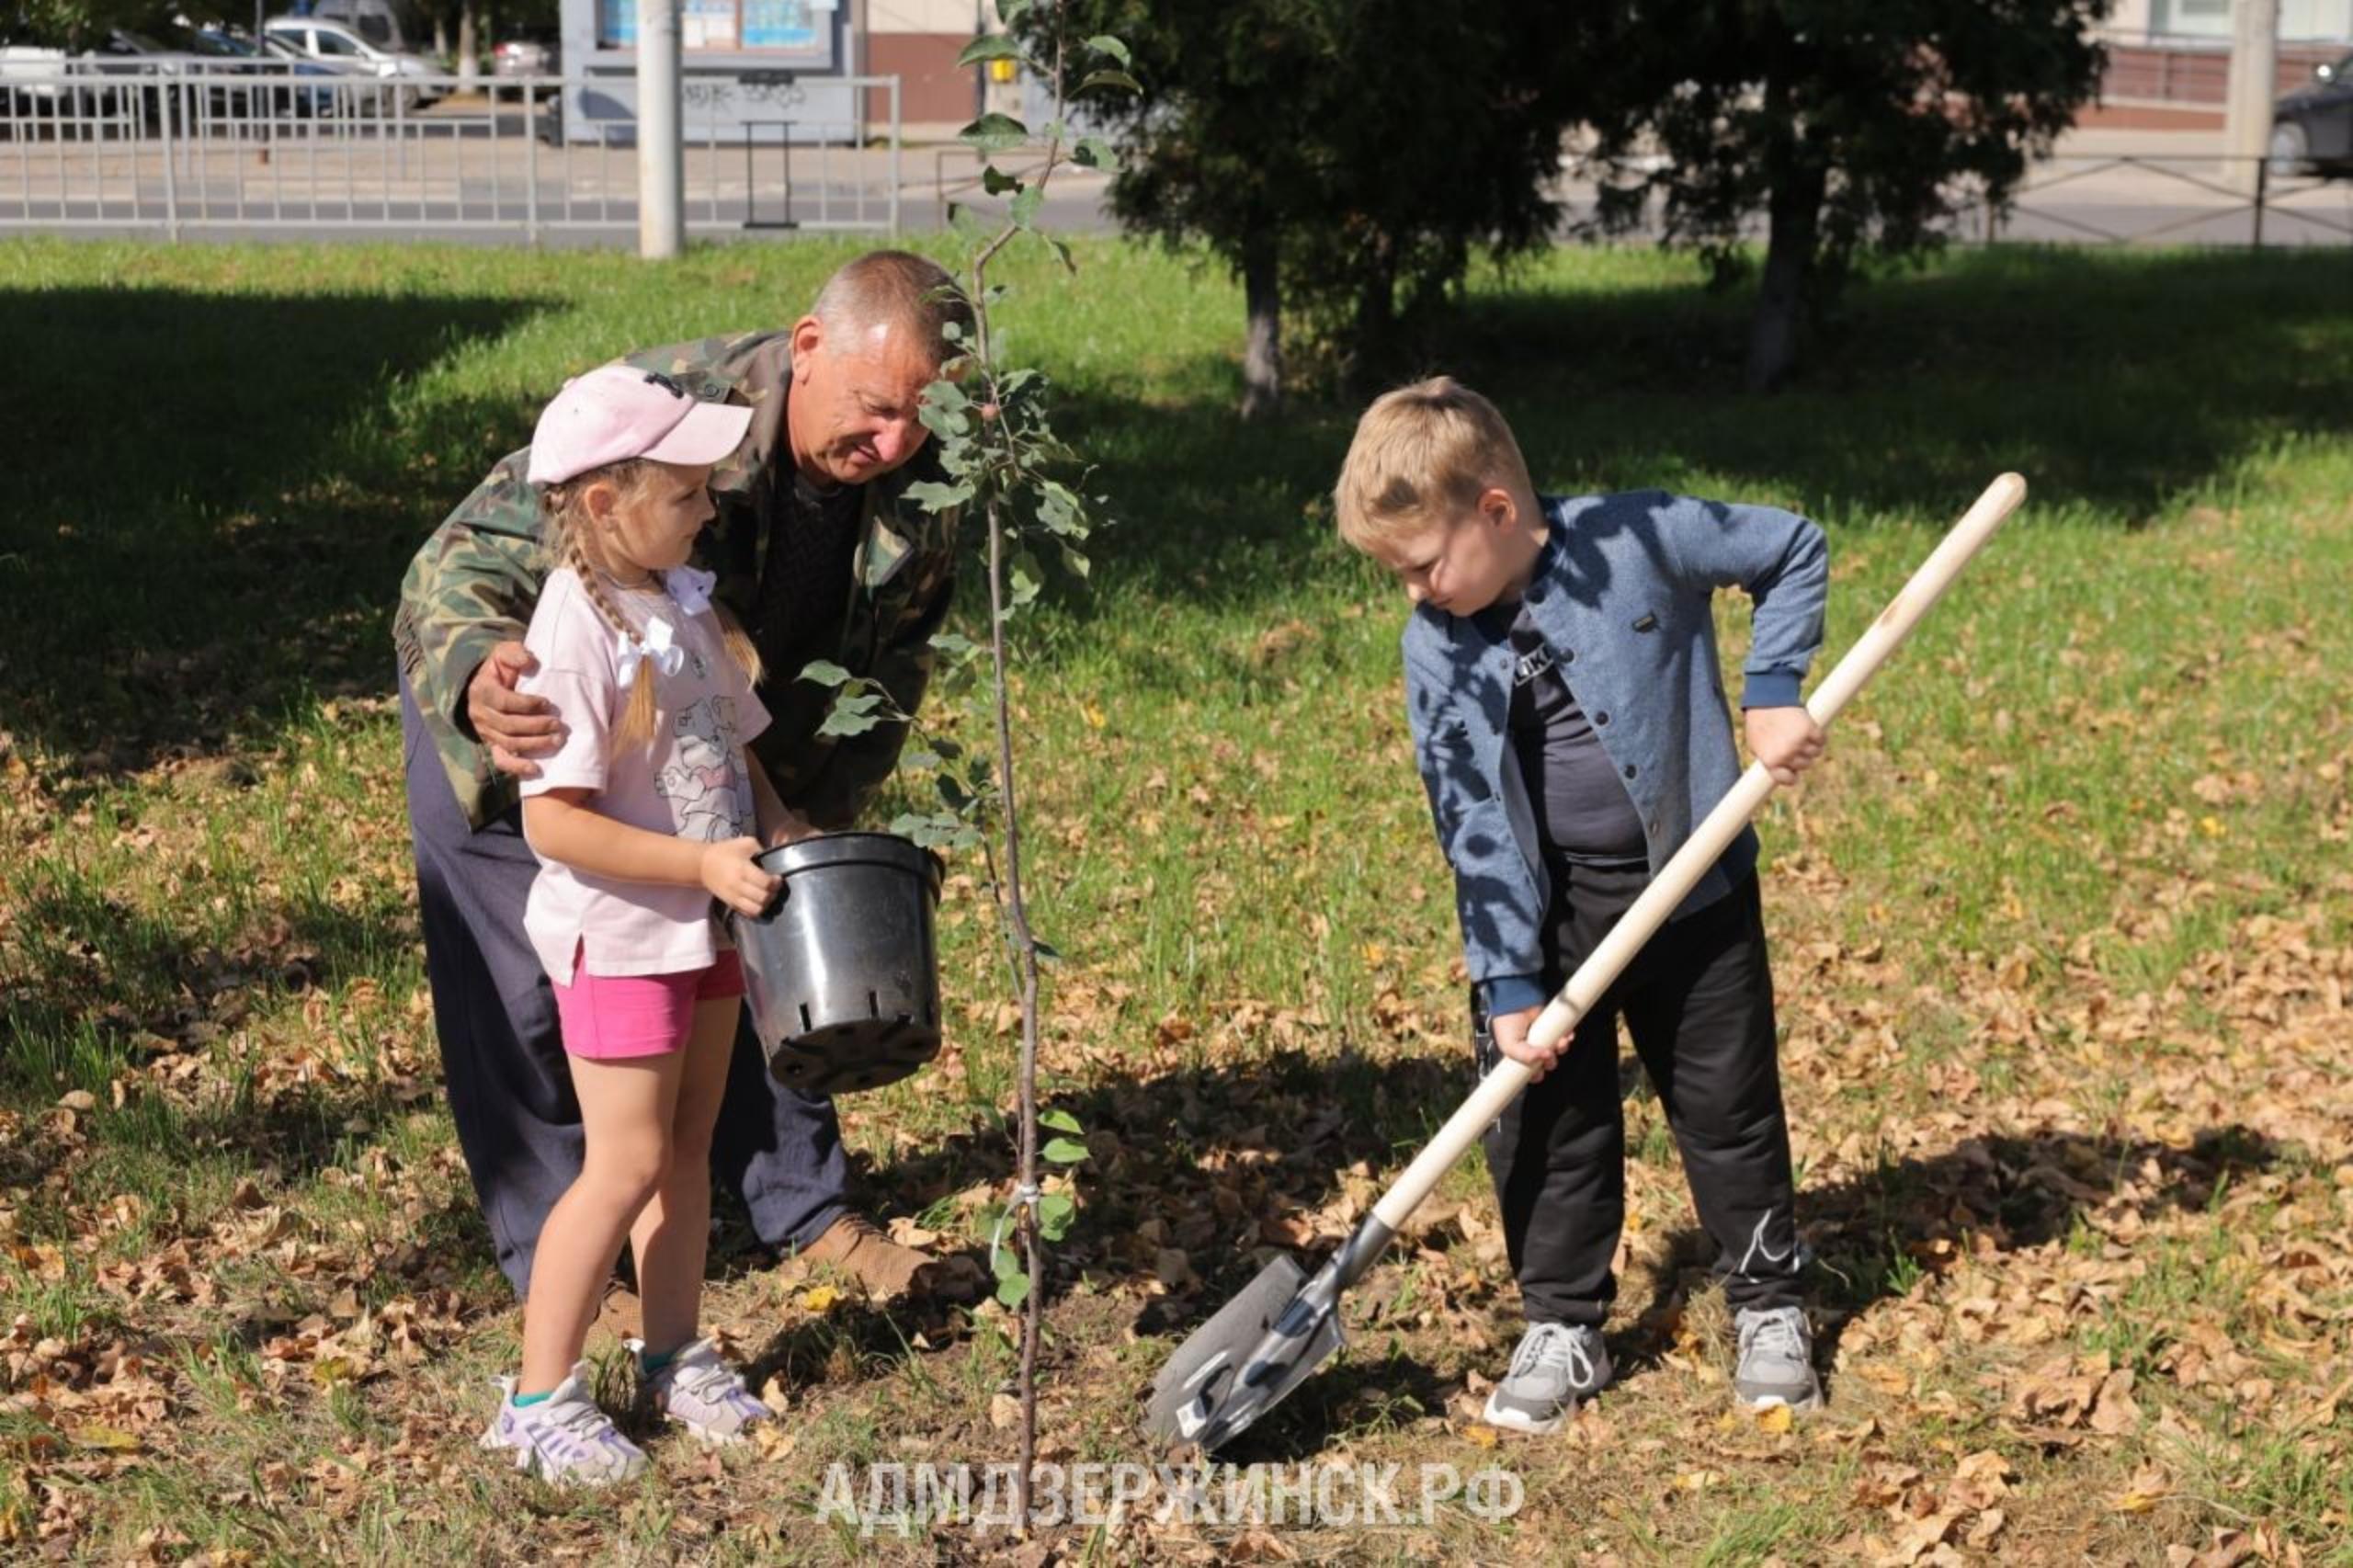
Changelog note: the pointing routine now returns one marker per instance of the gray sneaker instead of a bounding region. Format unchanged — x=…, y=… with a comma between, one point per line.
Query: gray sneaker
x=1776, y=1359
x=563, y=1438
x=702, y=1393
x=1557, y=1364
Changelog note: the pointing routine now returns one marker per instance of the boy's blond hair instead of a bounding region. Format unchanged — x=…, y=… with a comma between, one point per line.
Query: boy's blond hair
x=1423, y=455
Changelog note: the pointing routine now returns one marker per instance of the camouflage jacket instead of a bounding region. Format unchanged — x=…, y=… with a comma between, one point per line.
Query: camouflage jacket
x=473, y=584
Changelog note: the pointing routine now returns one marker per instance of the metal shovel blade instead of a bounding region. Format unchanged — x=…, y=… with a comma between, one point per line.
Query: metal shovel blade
x=1235, y=1366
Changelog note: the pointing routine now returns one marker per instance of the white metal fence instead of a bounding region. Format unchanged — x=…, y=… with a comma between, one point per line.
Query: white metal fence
x=227, y=146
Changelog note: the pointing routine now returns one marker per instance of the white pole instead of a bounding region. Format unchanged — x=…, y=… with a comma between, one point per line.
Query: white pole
x=661, y=137
x=2254, y=64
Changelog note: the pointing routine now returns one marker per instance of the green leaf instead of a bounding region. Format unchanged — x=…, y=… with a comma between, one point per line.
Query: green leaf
x=948, y=424
x=1119, y=79
x=946, y=393
x=935, y=497
x=1023, y=209
x=1056, y=1212
x=850, y=716
x=1063, y=1151
x=1026, y=576
x=1060, y=1120
x=997, y=182
x=1062, y=253
x=1013, y=1289
x=1010, y=12
x=993, y=46
x=825, y=672
x=1103, y=43
x=971, y=227
x=956, y=645
x=1046, y=952
x=994, y=133
x=1095, y=152
x=1078, y=564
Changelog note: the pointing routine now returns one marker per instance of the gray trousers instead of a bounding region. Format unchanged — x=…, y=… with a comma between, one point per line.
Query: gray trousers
x=501, y=1056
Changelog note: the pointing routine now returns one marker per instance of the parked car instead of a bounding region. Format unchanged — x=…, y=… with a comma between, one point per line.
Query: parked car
x=2311, y=128
x=310, y=93
x=28, y=72
x=374, y=20
x=528, y=51
x=337, y=45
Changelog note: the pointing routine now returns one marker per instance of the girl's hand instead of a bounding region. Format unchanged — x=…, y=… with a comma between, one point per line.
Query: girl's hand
x=1786, y=740
x=728, y=872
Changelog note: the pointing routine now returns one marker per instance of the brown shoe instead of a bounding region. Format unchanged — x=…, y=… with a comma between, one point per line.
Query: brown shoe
x=854, y=1245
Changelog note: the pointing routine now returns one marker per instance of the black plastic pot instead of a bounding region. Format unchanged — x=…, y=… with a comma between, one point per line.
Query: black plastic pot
x=842, y=975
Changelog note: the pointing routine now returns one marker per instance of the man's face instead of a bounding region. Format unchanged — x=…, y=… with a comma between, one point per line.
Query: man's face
x=1473, y=560
x=852, y=414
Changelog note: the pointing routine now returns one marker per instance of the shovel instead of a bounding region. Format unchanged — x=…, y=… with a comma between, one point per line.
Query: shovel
x=1266, y=1341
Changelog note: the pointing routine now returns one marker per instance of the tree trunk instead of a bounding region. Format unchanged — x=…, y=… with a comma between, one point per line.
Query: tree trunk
x=468, y=44
x=1262, y=353
x=440, y=34
x=1797, y=183
x=1376, y=323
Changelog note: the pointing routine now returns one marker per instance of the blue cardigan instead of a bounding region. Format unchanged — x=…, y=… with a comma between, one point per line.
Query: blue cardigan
x=1622, y=593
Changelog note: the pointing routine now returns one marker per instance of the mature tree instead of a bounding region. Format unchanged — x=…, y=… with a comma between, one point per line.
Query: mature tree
x=1344, y=157
x=1852, y=127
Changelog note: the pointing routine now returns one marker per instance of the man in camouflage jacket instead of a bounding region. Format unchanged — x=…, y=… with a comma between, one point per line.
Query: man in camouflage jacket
x=834, y=444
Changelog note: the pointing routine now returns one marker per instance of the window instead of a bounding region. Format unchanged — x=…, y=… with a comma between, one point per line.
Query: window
x=795, y=27
x=375, y=29
x=336, y=46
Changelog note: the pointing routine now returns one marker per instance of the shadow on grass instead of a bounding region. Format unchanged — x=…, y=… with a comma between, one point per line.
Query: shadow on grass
x=97, y=980
x=222, y=490
x=1875, y=1234
x=215, y=496
x=2117, y=384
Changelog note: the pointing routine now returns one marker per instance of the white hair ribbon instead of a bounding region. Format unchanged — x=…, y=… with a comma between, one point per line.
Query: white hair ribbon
x=657, y=649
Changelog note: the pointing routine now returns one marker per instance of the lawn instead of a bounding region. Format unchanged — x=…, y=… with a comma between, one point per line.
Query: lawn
x=2061, y=930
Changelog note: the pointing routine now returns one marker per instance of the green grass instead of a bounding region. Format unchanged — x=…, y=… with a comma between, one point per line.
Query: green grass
x=2056, y=926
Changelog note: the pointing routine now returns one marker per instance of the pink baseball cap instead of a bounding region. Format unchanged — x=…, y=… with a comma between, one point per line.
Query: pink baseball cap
x=616, y=412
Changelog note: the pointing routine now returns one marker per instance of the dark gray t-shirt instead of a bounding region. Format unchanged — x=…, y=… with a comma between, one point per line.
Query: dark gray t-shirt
x=804, y=591
x=1583, y=811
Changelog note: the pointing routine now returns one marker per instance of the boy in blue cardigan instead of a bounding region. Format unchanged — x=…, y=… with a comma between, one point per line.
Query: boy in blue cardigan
x=1563, y=686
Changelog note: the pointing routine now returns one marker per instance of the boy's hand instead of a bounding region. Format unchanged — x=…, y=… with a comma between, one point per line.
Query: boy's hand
x=1786, y=740
x=728, y=872
x=1510, y=1030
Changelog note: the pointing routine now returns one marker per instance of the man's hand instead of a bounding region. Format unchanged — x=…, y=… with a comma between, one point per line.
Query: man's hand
x=1510, y=1030
x=515, y=726
x=1786, y=740
x=729, y=872
x=790, y=827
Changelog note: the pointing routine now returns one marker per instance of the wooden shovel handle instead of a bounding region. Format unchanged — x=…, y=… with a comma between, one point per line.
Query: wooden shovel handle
x=1709, y=839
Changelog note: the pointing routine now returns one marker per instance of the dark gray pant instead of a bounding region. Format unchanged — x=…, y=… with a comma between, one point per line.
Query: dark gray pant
x=510, y=1090
x=1699, y=1001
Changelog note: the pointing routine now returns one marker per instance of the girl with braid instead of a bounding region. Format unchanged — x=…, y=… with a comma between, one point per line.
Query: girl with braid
x=652, y=684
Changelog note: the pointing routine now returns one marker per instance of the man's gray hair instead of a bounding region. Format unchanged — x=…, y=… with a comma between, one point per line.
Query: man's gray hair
x=897, y=288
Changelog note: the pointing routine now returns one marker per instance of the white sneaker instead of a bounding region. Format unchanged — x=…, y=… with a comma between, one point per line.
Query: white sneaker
x=702, y=1393
x=563, y=1438
x=1557, y=1364
x=1776, y=1359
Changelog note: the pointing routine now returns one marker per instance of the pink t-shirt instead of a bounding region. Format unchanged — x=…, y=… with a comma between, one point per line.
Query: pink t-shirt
x=691, y=781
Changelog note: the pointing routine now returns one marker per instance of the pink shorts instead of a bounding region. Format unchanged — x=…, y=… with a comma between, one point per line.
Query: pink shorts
x=608, y=1018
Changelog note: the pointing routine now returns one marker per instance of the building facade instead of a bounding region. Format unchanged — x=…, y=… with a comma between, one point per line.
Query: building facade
x=764, y=70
